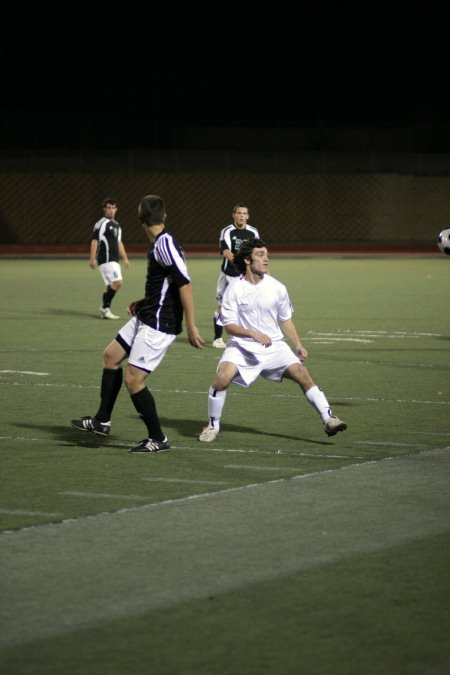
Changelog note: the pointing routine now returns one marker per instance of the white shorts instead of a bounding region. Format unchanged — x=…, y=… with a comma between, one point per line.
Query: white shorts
x=270, y=364
x=110, y=272
x=223, y=281
x=148, y=346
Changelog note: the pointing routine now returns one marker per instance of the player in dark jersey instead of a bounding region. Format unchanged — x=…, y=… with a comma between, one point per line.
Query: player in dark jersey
x=106, y=250
x=231, y=237
x=155, y=322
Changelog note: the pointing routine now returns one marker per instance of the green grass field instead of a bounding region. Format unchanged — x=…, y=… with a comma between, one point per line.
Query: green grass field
x=274, y=550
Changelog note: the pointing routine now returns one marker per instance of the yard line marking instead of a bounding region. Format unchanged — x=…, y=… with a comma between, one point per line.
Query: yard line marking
x=264, y=452
x=115, y=444
x=262, y=468
x=300, y=396
x=390, y=443
x=186, y=480
x=370, y=399
x=314, y=454
x=20, y=512
x=428, y=433
x=397, y=364
x=330, y=340
x=375, y=333
x=278, y=451
x=23, y=372
x=365, y=336
x=102, y=495
x=21, y=438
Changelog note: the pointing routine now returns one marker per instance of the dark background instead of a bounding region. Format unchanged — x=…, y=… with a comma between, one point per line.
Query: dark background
x=103, y=78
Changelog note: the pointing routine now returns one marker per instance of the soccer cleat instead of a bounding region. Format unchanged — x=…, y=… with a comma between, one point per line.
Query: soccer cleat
x=149, y=445
x=208, y=435
x=334, y=425
x=218, y=343
x=91, y=424
x=105, y=313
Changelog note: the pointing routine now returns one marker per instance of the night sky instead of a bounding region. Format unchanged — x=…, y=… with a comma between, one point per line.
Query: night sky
x=125, y=77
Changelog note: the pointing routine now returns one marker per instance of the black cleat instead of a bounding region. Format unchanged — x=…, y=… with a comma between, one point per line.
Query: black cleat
x=91, y=424
x=149, y=445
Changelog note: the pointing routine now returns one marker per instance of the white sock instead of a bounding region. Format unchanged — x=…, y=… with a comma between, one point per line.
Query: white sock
x=319, y=401
x=216, y=401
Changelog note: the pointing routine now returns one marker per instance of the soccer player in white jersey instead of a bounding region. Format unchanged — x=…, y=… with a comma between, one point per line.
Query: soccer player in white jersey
x=155, y=322
x=257, y=313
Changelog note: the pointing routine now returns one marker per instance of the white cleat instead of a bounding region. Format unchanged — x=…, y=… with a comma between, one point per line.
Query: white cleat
x=334, y=425
x=105, y=313
x=208, y=435
x=218, y=343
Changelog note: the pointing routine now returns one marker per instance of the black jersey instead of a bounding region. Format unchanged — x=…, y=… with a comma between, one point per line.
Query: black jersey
x=108, y=234
x=231, y=237
x=166, y=273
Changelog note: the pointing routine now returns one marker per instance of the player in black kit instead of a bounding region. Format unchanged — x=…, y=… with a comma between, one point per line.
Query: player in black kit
x=231, y=237
x=155, y=322
x=106, y=250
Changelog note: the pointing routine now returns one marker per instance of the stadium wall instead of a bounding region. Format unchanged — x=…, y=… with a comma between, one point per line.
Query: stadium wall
x=59, y=203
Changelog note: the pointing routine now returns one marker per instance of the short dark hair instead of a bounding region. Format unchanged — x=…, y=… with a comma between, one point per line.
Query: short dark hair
x=239, y=206
x=152, y=210
x=109, y=200
x=245, y=251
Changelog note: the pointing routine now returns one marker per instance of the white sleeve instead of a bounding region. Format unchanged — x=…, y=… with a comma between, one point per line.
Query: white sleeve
x=229, y=307
x=285, y=308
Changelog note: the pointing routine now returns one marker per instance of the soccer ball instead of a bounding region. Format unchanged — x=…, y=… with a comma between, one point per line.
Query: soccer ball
x=443, y=241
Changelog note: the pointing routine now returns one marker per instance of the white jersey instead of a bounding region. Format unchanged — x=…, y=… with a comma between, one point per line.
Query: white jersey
x=258, y=307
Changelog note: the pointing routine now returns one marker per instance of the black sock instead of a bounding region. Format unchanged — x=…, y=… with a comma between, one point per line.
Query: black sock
x=145, y=405
x=109, y=391
x=218, y=330
x=108, y=297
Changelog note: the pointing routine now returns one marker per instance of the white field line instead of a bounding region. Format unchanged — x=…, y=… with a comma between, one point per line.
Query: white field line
x=201, y=448
x=209, y=448
x=21, y=512
x=364, y=337
x=261, y=468
x=204, y=392
x=390, y=444
x=376, y=334
x=23, y=372
x=331, y=340
x=187, y=481
x=102, y=495
x=428, y=433
x=250, y=451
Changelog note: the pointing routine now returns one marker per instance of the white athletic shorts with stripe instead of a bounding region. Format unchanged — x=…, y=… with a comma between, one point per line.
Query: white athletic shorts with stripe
x=148, y=346
x=270, y=363
x=110, y=271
